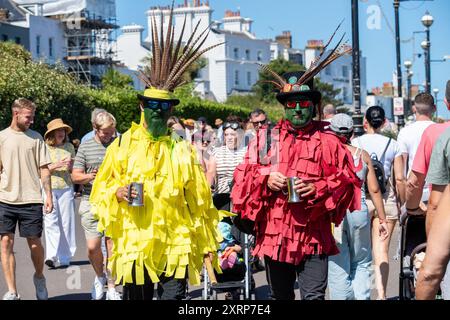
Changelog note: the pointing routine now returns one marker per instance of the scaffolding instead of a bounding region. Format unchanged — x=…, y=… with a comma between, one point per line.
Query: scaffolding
x=90, y=45
x=90, y=30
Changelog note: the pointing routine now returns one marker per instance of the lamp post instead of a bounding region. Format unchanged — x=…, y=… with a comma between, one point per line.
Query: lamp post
x=357, y=116
x=409, y=73
x=427, y=21
x=401, y=120
x=436, y=91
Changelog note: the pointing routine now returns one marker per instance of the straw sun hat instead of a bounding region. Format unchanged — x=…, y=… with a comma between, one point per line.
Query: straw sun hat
x=56, y=124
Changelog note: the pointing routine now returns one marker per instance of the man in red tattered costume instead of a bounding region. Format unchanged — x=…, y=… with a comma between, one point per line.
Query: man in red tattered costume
x=296, y=239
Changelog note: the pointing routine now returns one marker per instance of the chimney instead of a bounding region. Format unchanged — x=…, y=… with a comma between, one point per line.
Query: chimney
x=314, y=44
x=4, y=14
x=229, y=13
x=285, y=39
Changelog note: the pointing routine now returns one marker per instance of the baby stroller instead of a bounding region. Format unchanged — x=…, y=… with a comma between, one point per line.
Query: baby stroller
x=412, y=245
x=240, y=282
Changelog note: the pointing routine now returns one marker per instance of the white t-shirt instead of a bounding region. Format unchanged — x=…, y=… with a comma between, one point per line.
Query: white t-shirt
x=375, y=144
x=409, y=139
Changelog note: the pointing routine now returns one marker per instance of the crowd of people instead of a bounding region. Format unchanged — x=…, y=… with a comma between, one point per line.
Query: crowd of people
x=156, y=201
x=419, y=156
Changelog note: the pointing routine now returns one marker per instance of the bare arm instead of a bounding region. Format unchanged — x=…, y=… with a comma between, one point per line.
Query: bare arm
x=433, y=202
x=47, y=186
x=414, y=189
x=46, y=180
x=80, y=177
x=211, y=170
x=438, y=251
x=400, y=182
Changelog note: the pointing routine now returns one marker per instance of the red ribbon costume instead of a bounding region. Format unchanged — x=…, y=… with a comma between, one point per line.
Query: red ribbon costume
x=287, y=232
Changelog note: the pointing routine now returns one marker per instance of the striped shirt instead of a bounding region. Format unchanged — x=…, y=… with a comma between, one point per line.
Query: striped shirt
x=226, y=161
x=89, y=157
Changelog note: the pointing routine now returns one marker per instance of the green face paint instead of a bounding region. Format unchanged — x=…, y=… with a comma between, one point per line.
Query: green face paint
x=299, y=116
x=156, y=121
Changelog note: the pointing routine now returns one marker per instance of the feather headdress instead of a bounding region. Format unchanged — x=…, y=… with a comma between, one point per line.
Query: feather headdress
x=303, y=83
x=169, y=60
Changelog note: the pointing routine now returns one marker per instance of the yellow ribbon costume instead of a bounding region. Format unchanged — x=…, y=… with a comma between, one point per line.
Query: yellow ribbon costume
x=176, y=226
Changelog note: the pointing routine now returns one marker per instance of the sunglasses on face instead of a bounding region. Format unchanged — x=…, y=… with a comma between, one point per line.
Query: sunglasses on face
x=262, y=122
x=302, y=104
x=232, y=125
x=154, y=105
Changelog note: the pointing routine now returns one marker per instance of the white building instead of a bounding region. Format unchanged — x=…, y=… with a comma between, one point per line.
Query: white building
x=281, y=48
x=231, y=67
x=45, y=36
x=103, y=9
x=130, y=48
x=339, y=73
x=75, y=32
x=47, y=43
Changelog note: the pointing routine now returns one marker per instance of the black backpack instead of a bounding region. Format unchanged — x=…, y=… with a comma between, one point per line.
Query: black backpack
x=378, y=168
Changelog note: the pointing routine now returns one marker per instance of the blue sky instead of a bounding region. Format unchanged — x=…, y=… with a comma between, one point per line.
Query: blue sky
x=317, y=19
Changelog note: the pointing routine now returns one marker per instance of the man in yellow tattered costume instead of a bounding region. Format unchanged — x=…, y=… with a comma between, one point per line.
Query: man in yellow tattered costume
x=165, y=240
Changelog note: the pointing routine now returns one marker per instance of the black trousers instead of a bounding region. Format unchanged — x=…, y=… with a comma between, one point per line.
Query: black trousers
x=168, y=288
x=312, y=275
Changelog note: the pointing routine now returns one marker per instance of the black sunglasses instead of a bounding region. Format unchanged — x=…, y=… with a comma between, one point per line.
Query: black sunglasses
x=262, y=122
x=232, y=125
x=154, y=105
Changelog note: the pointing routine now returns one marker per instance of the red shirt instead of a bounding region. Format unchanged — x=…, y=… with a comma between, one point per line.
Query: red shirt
x=423, y=153
x=287, y=232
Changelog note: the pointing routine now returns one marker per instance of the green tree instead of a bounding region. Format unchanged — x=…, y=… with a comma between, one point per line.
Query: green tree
x=55, y=93
x=115, y=79
x=328, y=92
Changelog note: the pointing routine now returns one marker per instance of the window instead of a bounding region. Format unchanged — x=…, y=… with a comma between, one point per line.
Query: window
x=249, y=78
x=236, y=77
x=50, y=47
x=259, y=57
x=38, y=45
x=345, y=93
x=18, y=40
x=236, y=53
x=328, y=71
x=247, y=54
x=4, y=37
x=272, y=55
x=345, y=71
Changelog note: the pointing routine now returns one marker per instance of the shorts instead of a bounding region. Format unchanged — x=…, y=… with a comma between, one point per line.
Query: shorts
x=29, y=216
x=390, y=204
x=88, y=222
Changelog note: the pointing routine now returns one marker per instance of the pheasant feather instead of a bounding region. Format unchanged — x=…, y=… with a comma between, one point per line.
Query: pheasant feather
x=169, y=62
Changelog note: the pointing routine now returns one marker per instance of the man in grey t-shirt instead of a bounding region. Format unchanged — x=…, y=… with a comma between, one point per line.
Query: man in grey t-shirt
x=439, y=171
x=87, y=162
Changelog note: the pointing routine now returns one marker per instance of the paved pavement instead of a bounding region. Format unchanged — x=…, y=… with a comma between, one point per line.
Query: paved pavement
x=74, y=282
